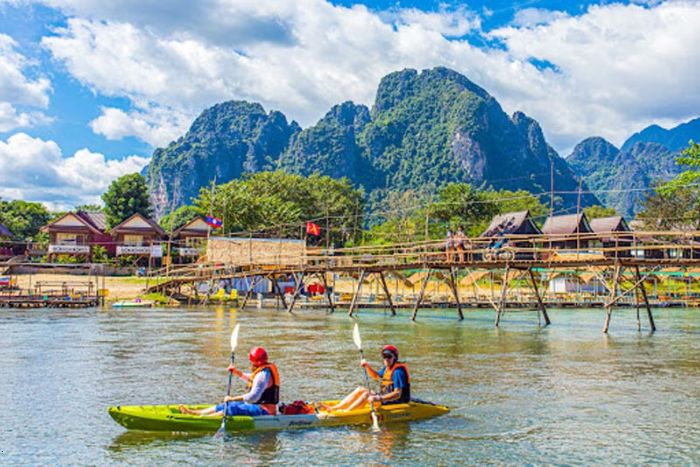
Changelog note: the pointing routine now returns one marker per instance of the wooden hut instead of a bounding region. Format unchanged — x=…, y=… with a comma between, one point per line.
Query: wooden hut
x=139, y=236
x=514, y=223
x=190, y=239
x=604, y=227
x=566, y=228
x=5, y=248
x=76, y=234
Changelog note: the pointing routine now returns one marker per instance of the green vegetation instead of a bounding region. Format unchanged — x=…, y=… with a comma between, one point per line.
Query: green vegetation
x=676, y=204
x=179, y=217
x=593, y=212
x=277, y=204
x=126, y=196
x=24, y=219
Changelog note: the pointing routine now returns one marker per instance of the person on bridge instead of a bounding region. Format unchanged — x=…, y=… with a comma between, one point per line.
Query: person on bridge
x=263, y=394
x=394, y=379
x=449, y=244
x=460, y=240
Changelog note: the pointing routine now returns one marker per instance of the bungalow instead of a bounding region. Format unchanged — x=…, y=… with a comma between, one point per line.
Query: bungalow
x=139, y=236
x=567, y=227
x=514, y=223
x=190, y=239
x=76, y=233
x=5, y=235
x=608, y=225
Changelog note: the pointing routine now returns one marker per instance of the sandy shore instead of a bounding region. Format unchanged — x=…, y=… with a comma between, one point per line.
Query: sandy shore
x=119, y=287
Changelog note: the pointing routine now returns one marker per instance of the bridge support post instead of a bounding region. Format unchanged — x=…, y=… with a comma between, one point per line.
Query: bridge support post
x=280, y=295
x=613, y=293
x=297, y=289
x=355, y=296
x=249, y=292
x=386, y=291
x=652, y=325
x=504, y=291
x=540, y=303
x=331, y=305
x=421, y=294
x=455, y=292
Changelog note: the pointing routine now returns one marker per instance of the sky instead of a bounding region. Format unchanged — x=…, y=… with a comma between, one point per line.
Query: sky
x=89, y=88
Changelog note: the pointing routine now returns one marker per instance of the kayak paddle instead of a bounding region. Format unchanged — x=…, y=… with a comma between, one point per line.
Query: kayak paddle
x=234, y=344
x=358, y=342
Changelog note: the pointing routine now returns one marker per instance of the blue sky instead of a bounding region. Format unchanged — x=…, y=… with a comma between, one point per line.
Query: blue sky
x=88, y=88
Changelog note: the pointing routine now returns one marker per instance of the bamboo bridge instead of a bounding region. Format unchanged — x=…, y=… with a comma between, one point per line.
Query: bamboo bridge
x=609, y=257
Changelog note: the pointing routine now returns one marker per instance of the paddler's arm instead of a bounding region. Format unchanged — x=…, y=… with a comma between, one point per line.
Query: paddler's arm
x=370, y=371
x=388, y=397
x=244, y=376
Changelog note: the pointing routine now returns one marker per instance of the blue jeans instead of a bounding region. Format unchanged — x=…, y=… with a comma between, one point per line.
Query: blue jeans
x=241, y=408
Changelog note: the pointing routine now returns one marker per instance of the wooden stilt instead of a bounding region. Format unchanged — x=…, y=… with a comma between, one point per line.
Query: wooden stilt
x=611, y=303
x=331, y=305
x=300, y=283
x=421, y=294
x=279, y=293
x=540, y=303
x=455, y=292
x=652, y=325
x=388, y=295
x=249, y=292
x=504, y=290
x=353, y=303
x=636, y=306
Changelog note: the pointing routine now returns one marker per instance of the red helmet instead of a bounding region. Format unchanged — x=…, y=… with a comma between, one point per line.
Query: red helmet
x=392, y=349
x=257, y=356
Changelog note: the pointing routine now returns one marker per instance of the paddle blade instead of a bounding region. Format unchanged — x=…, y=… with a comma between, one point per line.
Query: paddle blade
x=234, y=338
x=356, y=336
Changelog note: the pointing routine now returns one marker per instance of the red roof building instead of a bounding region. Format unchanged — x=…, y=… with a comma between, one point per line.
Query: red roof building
x=76, y=234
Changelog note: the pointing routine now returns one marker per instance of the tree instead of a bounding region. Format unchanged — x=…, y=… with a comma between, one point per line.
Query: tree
x=179, y=217
x=595, y=211
x=691, y=158
x=89, y=208
x=125, y=197
x=24, y=219
x=675, y=210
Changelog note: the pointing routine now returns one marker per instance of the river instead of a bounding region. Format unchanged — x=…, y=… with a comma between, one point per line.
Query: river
x=521, y=394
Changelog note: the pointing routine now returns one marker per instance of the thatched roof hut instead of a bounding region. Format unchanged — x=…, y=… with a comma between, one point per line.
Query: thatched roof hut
x=512, y=223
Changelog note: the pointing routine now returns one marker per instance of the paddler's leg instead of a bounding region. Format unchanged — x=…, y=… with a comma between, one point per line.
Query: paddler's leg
x=208, y=411
x=360, y=392
x=360, y=401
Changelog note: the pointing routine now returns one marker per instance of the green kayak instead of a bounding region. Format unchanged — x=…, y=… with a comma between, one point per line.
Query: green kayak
x=169, y=418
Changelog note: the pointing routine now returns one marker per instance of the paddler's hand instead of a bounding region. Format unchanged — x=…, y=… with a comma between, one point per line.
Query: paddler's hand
x=235, y=370
x=363, y=363
x=375, y=398
x=229, y=399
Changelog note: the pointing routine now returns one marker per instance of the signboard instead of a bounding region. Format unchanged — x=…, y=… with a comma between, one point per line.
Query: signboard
x=157, y=251
x=69, y=249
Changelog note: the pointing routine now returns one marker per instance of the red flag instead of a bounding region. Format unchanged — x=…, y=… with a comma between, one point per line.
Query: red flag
x=313, y=229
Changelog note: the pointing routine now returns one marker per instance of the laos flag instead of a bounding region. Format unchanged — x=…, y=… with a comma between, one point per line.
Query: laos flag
x=213, y=222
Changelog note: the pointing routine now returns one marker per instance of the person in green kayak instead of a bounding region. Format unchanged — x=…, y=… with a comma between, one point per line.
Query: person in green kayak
x=263, y=394
x=395, y=384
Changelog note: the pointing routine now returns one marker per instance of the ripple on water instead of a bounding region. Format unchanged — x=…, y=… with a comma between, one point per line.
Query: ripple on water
x=520, y=394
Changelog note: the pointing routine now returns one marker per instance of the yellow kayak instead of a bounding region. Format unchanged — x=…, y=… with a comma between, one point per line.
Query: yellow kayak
x=169, y=418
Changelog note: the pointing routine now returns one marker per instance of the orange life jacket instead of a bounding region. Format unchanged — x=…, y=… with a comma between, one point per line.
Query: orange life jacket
x=387, y=383
x=271, y=396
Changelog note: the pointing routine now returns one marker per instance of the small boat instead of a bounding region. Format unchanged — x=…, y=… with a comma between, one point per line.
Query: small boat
x=168, y=418
x=133, y=304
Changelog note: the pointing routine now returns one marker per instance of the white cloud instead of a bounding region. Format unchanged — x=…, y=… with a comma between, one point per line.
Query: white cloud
x=35, y=170
x=157, y=127
x=614, y=68
x=17, y=89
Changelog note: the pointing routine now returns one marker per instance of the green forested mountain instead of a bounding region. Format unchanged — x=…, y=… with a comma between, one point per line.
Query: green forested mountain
x=621, y=177
x=424, y=130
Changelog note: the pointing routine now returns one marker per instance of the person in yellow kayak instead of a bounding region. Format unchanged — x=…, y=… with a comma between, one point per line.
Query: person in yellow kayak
x=263, y=394
x=395, y=384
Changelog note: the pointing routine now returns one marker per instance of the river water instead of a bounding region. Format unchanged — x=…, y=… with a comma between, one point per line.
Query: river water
x=521, y=394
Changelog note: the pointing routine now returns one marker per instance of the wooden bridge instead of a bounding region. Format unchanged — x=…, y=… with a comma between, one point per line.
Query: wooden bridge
x=608, y=256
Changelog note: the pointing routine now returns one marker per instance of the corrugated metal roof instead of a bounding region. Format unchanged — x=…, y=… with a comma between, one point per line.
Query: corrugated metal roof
x=5, y=232
x=97, y=219
x=519, y=222
x=567, y=224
